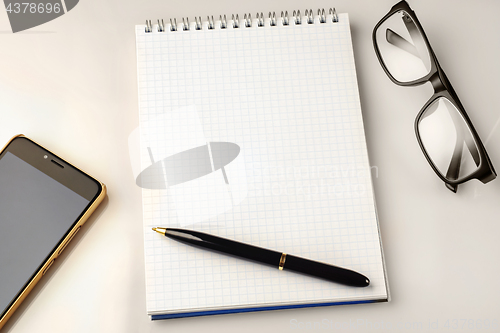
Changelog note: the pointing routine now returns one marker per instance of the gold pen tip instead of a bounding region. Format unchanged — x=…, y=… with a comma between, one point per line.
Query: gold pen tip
x=160, y=230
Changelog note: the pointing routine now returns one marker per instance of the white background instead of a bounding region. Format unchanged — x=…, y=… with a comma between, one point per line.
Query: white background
x=70, y=84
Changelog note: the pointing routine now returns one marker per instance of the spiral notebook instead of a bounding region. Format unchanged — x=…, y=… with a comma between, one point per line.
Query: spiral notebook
x=251, y=129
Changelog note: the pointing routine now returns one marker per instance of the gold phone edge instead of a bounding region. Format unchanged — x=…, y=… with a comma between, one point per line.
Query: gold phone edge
x=61, y=246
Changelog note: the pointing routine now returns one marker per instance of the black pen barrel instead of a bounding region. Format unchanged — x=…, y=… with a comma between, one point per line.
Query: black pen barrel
x=325, y=271
x=226, y=246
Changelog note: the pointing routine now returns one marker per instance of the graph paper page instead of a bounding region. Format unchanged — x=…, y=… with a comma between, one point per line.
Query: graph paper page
x=254, y=134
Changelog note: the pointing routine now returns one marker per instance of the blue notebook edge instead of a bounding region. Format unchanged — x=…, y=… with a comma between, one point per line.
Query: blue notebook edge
x=255, y=309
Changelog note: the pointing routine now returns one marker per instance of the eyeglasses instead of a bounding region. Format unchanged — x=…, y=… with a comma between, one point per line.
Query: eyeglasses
x=444, y=131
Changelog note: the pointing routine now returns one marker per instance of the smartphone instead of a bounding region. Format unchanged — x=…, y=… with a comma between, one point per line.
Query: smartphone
x=44, y=201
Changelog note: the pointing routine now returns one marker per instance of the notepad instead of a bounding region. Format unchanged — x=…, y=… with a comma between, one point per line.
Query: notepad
x=251, y=129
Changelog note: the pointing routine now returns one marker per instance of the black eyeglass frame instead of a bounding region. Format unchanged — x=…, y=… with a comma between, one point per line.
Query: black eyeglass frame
x=442, y=88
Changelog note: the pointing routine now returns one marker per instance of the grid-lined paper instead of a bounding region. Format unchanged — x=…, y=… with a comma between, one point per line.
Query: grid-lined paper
x=287, y=96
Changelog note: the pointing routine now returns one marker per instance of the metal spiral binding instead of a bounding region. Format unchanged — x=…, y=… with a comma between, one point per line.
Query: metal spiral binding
x=309, y=16
x=161, y=26
x=335, y=17
x=322, y=15
x=185, y=23
x=247, y=19
x=211, y=24
x=272, y=19
x=197, y=23
x=297, y=16
x=260, y=20
x=236, y=22
x=223, y=22
x=284, y=18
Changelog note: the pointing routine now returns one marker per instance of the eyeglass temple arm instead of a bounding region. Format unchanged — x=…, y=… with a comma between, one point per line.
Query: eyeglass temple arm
x=417, y=48
x=469, y=141
x=456, y=160
x=454, y=168
x=415, y=35
x=395, y=39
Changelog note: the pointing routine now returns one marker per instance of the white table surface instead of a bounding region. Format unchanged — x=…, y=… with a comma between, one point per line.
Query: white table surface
x=70, y=84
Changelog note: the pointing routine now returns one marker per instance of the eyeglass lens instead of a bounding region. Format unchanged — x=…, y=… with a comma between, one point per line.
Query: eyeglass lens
x=402, y=48
x=447, y=140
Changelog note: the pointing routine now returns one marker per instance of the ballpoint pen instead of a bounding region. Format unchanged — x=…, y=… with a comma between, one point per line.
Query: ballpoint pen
x=268, y=257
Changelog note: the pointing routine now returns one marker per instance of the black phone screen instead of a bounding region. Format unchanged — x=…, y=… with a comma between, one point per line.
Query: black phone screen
x=36, y=213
